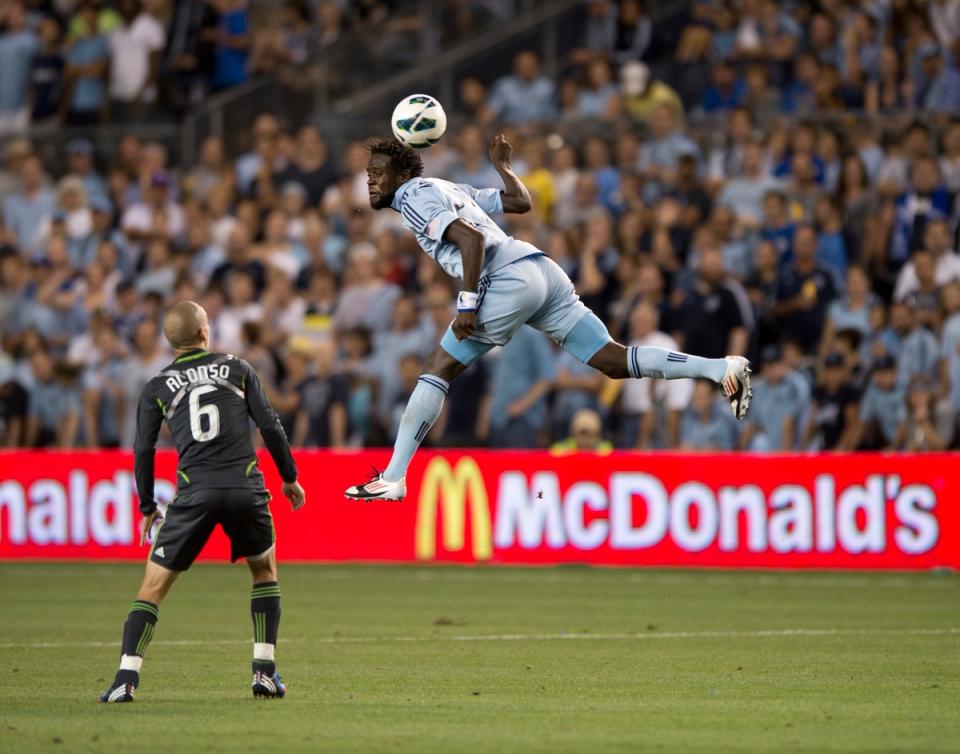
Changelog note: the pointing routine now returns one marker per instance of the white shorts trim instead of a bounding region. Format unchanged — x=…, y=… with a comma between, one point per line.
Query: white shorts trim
x=262, y=555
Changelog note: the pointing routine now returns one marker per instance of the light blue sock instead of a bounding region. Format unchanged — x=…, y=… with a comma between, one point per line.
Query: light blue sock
x=422, y=411
x=671, y=365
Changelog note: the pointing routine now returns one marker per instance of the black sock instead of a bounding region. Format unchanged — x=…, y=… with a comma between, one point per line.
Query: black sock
x=137, y=633
x=265, y=610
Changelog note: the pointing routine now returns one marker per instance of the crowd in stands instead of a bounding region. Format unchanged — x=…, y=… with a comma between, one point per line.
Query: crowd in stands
x=93, y=62
x=823, y=248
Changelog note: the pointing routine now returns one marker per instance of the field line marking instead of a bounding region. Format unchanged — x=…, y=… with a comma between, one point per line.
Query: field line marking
x=759, y=634
x=797, y=579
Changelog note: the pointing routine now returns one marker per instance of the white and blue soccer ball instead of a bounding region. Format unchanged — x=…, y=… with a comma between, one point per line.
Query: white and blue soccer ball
x=418, y=121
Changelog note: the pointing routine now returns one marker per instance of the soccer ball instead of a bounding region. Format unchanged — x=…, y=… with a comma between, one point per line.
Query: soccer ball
x=418, y=121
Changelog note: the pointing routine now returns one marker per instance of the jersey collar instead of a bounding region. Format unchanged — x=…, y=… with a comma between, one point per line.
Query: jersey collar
x=196, y=353
x=398, y=195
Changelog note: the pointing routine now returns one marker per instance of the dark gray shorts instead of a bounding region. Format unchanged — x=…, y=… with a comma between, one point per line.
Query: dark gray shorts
x=243, y=514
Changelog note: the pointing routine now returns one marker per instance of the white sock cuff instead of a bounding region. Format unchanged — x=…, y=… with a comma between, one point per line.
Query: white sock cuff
x=131, y=662
x=263, y=651
x=428, y=379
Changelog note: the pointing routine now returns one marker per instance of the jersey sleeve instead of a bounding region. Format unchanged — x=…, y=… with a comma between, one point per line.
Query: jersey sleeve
x=149, y=419
x=266, y=419
x=490, y=200
x=425, y=209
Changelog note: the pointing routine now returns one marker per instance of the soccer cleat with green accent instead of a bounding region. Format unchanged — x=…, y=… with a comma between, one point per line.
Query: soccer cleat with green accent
x=121, y=692
x=268, y=687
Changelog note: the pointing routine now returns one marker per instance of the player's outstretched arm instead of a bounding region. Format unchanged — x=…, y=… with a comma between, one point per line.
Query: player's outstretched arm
x=273, y=435
x=516, y=198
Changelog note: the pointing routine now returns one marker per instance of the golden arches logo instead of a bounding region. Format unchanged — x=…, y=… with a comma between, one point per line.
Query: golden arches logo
x=453, y=488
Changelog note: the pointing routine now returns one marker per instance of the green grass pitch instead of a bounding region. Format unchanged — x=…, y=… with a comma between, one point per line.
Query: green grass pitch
x=437, y=659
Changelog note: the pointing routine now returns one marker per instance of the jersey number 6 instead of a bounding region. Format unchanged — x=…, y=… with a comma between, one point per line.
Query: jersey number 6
x=197, y=411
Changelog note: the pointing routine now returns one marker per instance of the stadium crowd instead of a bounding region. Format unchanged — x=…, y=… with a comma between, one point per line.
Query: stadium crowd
x=784, y=187
x=92, y=62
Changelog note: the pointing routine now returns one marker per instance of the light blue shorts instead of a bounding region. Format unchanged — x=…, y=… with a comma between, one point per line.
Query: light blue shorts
x=532, y=291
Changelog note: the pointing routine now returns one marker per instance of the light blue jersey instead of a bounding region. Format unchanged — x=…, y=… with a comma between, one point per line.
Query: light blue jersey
x=429, y=205
x=534, y=291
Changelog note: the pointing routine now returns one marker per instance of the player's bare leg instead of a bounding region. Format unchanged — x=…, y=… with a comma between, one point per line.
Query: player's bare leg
x=138, y=631
x=731, y=373
x=157, y=581
x=265, y=611
x=421, y=413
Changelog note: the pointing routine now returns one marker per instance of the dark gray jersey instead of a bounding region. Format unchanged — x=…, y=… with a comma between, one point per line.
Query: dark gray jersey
x=207, y=400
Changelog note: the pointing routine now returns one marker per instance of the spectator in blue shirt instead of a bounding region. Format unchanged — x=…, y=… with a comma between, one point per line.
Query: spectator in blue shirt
x=723, y=40
x=726, y=91
x=621, y=31
x=928, y=199
x=707, y=424
x=405, y=336
x=852, y=312
x=778, y=406
x=798, y=97
x=233, y=46
x=831, y=247
x=55, y=405
x=600, y=97
x=80, y=158
x=102, y=231
x=17, y=47
x=803, y=142
x=950, y=350
x=941, y=92
x=28, y=211
x=777, y=227
x=599, y=30
x=659, y=156
x=473, y=166
x=265, y=135
x=596, y=155
x=737, y=253
x=919, y=352
x=87, y=64
x=779, y=34
x=822, y=39
x=525, y=96
x=883, y=408
x=522, y=378
x=745, y=193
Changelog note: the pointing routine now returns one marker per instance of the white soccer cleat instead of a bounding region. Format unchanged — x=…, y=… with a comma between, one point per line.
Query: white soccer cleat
x=735, y=385
x=378, y=488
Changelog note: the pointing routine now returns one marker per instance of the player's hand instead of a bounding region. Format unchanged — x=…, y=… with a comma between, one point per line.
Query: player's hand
x=500, y=151
x=295, y=494
x=464, y=324
x=146, y=524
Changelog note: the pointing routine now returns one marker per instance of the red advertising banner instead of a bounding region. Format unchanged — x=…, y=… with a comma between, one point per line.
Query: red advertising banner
x=718, y=510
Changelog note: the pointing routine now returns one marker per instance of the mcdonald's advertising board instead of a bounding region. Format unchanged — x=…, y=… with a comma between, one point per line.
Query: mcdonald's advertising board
x=874, y=511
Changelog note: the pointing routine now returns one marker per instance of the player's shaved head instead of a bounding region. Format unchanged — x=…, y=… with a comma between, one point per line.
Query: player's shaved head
x=185, y=325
